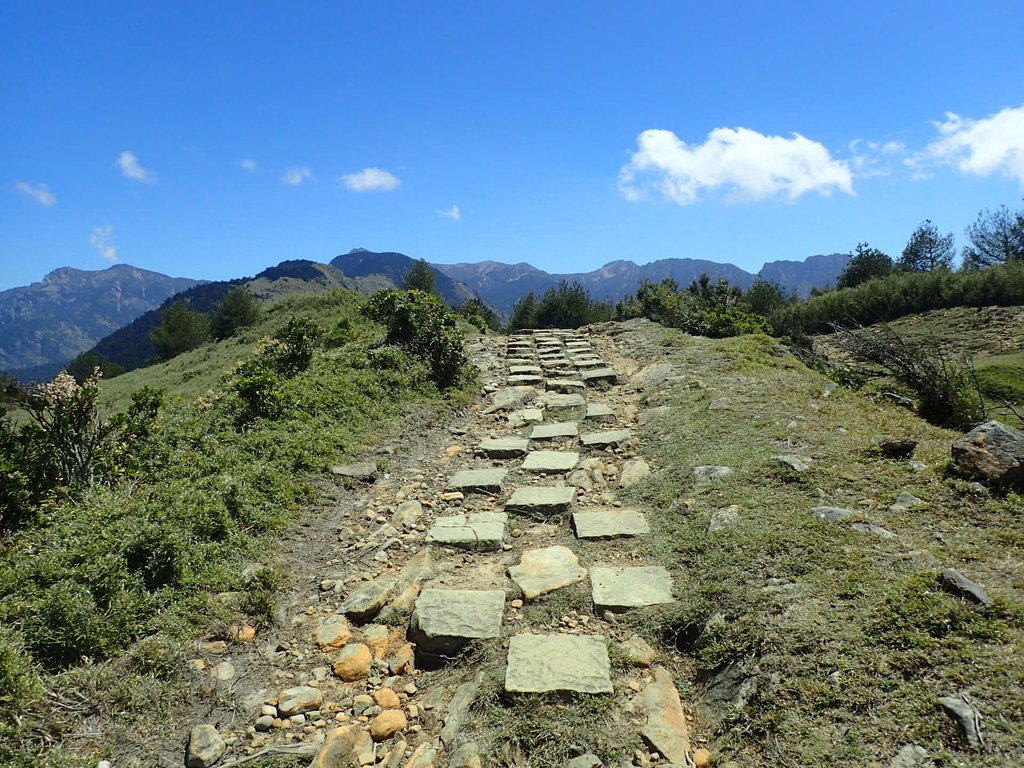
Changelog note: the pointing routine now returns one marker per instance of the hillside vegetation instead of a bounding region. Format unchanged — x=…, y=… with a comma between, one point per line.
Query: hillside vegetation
x=101, y=582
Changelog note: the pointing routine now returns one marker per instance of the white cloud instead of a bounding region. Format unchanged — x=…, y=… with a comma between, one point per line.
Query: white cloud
x=39, y=192
x=371, y=180
x=248, y=164
x=295, y=176
x=100, y=240
x=994, y=144
x=873, y=158
x=748, y=164
x=452, y=213
x=130, y=168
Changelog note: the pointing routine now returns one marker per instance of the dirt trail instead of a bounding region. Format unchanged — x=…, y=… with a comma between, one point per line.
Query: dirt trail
x=490, y=562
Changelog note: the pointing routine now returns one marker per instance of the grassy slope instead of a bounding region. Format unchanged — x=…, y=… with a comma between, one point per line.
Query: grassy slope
x=147, y=559
x=850, y=638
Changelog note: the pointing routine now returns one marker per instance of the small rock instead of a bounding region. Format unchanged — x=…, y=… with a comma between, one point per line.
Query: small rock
x=633, y=471
x=723, y=518
x=205, y=747
x=353, y=663
x=387, y=724
x=387, y=698
x=874, y=530
x=587, y=760
x=298, y=700
x=666, y=729
x=706, y=474
x=897, y=447
x=957, y=584
x=264, y=723
x=333, y=634
x=796, y=463
x=702, y=758
x=907, y=501
x=342, y=746
x=965, y=715
x=366, y=471
x=467, y=755
x=224, y=670
x=638, y=652
x=912, y=756
x=830, y=514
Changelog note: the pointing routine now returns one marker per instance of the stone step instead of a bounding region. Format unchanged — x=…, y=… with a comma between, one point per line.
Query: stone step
x=504, y=447
x=524, y=379
x=525, y=370
x=609, y=524
x=599, y=412
x=606, y=439
x=599, y=376
x=619, y=589
x=559, y=430
x=541, y=500
x=544, y=570
x=553, y=401
x=478, y=480
x=548, y=663
x=565, y=386
x=531, y=416
x=553, y=462
x=480, y=531
x=444, y=620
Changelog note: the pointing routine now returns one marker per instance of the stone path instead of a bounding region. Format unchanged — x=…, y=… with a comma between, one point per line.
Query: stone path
x=483, y=533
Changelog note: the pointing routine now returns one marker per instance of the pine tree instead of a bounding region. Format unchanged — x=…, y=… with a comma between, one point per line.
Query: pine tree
x=927, y=250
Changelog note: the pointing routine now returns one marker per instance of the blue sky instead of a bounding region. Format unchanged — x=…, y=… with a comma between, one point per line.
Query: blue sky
x=212, y=140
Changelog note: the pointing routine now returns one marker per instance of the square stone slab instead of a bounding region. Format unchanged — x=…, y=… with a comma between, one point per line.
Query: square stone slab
x=524, y=379
x=605, y=439
x=609, y=523
x=599, y=376
x=525, y=370
x=541, y=500
x=619, y=589
x=446, y=619
x=545, y=570
x=599, y=412
x=589, y=362
x=546, y=663
x=504, y=447
x=483, y=480
x=558, y=430
x=551, y=461
x=483, y=531
x=554, y=401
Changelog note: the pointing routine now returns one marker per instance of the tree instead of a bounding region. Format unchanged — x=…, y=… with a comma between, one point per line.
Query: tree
x=765, y=297
x=420, y=277
x=524, y=313
x=927, y=250
x=181, y=329
x=865, y=264
x=238, y=309
x=995, y=237
x=82, y=367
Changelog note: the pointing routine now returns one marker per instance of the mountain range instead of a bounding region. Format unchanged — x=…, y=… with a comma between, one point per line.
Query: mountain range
x=45, y=325
x=501, y=285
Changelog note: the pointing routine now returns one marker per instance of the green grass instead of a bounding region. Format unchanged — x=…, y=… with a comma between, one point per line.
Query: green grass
x=147, y=558
x=849, y=635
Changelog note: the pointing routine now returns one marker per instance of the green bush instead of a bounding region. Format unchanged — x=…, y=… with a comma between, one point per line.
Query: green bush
x=238, y=309
x=420, y=323
x=716, y=310
x=181, y=328
x=567, y=306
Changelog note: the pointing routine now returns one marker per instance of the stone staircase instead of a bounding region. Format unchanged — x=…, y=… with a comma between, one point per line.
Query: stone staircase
x=528, y=508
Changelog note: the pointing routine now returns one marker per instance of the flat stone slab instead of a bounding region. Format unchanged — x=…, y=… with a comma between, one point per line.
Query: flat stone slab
x=504, y=447
x=541, y=499
x=511, y=398
x=483, y=480
x=619, y=589
x=605, y=439
x=524, y=380
x=558, y=430
x=551, y=461
x=446, y=619
x=567, y=386
x=666, y=728
x=525, y=370
x=554, y=401
x=547, y=663
x=526, y=416
x=545, y=570
x=599, y=376
x=366, y=470
x=609, y=523
x=599, y=412
x=481, y=531
x=588, y=362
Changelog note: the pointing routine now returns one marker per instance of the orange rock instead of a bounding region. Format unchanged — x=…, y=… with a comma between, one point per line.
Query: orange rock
x=341, y=747
x=387, y=724
x=243, y=633
x=333, y=634
x=702, y=758
x=353, y=663
x=386, y=698
x=453, y=450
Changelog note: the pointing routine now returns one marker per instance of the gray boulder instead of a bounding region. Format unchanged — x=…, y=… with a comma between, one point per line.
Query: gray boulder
x=992, y=452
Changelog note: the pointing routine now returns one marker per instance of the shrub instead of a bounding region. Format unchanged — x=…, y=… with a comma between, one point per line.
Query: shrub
x=710, y=309
x=567, y=306
x=480, y=315
x=238, y=309
x=420, y=323
x=181, y=329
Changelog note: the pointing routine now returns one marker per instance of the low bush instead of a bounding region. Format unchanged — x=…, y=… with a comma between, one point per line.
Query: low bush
x=567, y=306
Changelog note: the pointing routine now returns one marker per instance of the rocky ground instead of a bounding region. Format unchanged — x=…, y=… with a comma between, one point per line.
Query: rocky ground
x=493, y=591
x=445, y=580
